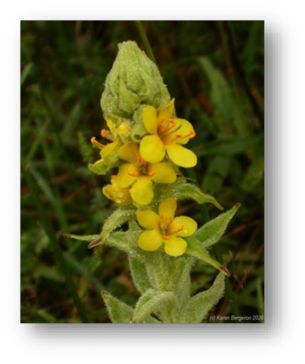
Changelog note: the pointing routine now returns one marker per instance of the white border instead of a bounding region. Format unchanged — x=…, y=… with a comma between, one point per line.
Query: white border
x=282, y=336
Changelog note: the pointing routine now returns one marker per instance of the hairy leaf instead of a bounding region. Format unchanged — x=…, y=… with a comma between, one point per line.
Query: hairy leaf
x=119, y=312
x=125, y=241
x=82, y=237
x=200, y=304
x=115, y=220
x=210, y=233
x=139, y=274
x=152, y=301
x=180, y=276
x=183, y=190
x=196, y=250
x=94, y=239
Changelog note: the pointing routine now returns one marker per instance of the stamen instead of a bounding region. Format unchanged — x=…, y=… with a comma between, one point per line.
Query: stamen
x=164, y=130
x=151, y=173
x=190, y=135
x=166, y=237
x=106, y=134
x=96, y=143
x=178, y=230
x=93, y=140
x=140, y=159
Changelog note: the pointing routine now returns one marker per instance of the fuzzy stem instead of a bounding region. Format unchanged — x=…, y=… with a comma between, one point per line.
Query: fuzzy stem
x=170, y=274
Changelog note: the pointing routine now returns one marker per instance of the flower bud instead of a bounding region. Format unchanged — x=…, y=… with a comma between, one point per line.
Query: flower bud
x=133, y=80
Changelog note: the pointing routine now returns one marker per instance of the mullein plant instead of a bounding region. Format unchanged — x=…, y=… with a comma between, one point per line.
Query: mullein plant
x=144, y=148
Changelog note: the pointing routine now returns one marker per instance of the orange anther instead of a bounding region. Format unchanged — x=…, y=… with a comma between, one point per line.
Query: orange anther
x=93, y=140
x=193, y=134
x=140, y=159
x=104, y=133
x=96, y=143
x=171, y=121
x=151, y=173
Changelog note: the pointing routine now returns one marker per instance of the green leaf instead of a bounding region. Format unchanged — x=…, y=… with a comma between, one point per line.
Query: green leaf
x=179, y=274
x=126, y=242
x=196, y=250
x=82, y=237
x=119, y=312
x=152, y=301
x=200, y=304
x=225, y=102
x=183, y=190
x=210, y=233
x=119, y=217
x=139, y=274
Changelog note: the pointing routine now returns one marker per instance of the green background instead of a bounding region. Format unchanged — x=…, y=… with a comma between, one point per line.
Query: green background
x=215, y=71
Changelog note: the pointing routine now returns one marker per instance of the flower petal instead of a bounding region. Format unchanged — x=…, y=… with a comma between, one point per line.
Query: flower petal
x=167, y=111
x=150, y=240
x=181, y=156
x=185, y=131
x=183, y=226
x=142, y=191
x=162, y=172
x=152, y=149
x=150, y=119
x=175, y=246
x=148, y=219
x=167, y=208
x=128, y=152
x=125, y=176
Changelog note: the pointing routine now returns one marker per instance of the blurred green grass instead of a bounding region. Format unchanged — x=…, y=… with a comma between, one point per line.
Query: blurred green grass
x=215, y=71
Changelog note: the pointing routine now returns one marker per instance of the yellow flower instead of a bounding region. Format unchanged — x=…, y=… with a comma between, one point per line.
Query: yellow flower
x=139, y=175
x=166, y=136
x=165, y=228
x=109, y=152
x=117, y=194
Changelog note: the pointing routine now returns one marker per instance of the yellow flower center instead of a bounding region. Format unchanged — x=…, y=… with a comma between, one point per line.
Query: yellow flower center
x=142, y=168
x=166, y=229
x=168, y=132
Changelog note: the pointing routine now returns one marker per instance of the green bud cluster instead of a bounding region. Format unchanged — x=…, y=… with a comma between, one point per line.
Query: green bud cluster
x=133, y=80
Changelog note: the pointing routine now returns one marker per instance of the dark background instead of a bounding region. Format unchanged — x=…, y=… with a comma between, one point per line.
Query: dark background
x=215, y=71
